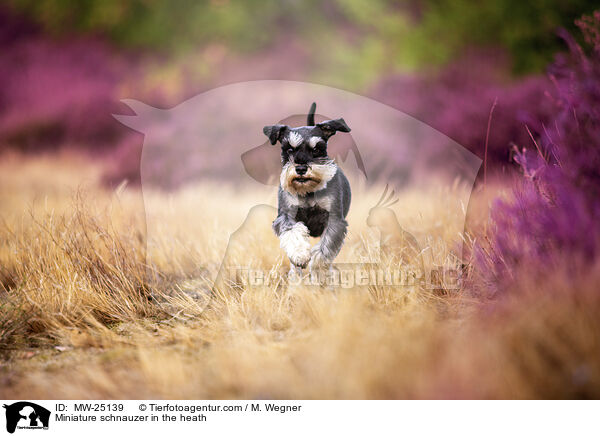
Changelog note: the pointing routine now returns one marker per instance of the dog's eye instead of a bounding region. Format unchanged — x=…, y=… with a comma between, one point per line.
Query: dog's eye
x=319, y=148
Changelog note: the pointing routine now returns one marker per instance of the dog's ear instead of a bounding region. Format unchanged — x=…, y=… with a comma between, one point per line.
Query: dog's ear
x=330, y=127
x=274, y=132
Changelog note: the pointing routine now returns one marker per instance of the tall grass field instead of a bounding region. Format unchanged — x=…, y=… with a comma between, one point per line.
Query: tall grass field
x=91, y=309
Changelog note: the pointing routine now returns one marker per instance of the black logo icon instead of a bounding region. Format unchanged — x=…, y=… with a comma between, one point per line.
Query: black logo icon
x=26, y=415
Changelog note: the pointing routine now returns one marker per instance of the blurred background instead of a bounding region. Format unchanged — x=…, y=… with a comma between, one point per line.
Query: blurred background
x=107, y=301
x=65, y=65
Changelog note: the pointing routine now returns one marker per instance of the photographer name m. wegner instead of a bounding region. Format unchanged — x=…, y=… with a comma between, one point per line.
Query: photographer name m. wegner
x=348, y=276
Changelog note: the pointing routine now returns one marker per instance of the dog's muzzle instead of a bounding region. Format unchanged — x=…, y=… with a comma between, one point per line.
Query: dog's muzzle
x=301, y=169
x=300, y=177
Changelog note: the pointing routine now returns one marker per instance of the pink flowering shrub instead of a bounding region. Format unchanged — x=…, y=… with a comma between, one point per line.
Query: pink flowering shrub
x=554, y=218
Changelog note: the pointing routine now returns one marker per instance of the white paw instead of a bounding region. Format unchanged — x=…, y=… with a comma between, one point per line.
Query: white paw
x=301, y=257
x=296, y=244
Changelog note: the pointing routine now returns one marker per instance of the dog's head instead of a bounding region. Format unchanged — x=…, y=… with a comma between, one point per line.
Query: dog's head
x=306, y=165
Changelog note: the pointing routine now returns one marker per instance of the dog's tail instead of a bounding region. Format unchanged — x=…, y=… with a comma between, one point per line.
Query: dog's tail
x=310, y=119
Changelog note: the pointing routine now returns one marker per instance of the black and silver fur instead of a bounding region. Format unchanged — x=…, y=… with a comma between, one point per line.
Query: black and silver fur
x=314, y=194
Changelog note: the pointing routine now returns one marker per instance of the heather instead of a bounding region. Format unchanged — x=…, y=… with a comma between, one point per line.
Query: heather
x=552, y=221
x=458, y=100
x=56, y=93
x=60, y=93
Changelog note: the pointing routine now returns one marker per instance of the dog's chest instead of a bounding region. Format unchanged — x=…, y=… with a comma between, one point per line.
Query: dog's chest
x=315, y=218
x=313, y=211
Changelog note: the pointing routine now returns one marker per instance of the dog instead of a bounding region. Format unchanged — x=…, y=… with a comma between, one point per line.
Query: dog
x=314, y=194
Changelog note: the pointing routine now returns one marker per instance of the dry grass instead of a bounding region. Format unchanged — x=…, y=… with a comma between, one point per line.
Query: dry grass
x=85, y=301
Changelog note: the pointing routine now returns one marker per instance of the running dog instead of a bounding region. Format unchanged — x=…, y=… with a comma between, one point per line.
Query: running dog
x=314, y=194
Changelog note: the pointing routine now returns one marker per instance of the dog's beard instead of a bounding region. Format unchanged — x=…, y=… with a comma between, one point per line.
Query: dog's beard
x=315, y=178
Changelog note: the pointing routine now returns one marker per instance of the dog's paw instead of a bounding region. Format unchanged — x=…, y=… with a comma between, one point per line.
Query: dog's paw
x=300, y=258
x=296, y=244
x=317, y=259
x=294, y=275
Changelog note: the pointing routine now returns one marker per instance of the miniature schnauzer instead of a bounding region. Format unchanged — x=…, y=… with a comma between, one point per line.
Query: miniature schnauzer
x=314, y=194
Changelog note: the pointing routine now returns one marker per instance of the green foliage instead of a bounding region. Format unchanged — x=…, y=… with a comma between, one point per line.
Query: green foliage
x=415, y=36
x=527, y=29
x=361, y=38
x=173, y=25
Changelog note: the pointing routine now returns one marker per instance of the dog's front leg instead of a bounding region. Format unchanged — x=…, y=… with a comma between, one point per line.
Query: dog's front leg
x=293, y=239
x=325, y=251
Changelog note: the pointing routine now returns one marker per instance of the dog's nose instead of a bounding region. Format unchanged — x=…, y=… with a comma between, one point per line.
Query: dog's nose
x=301, y=169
